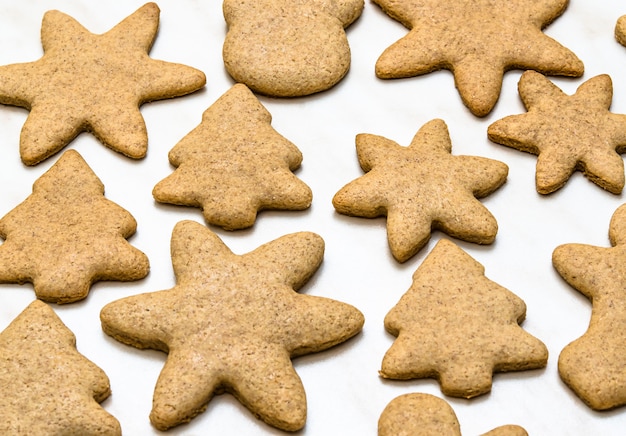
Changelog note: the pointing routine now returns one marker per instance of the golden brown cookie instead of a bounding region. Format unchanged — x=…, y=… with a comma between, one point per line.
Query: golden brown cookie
x=456, y=325
x=567, y=132
x=427, y=415
x=478, y=41
x=94, y=83
x=288, y=48
x=48, y=387
x=67, y=235
x=593, y=365
x=232, y=324
x=234, y=164
x=421, y=188
x=620, y=30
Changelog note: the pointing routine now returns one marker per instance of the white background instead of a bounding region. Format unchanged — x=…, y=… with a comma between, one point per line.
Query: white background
x=345, y=393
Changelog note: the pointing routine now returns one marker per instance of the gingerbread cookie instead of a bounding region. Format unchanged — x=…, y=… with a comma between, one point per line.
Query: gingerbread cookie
x=426, y=415
x=567, y=133
x=48, y=387
x=456, y=325
x=67, y=235
x=94, y=83
x=422, y=187
x=478, y=41
x=234, y=164
x=288, y=48
x=232, y=323
x=593, y=365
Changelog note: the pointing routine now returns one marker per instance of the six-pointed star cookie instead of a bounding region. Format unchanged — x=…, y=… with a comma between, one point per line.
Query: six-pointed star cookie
x=593, y=365
x=567, y=133
x=95, y=83
x=232, y=323
x=478, y=41
x=48, y=387
x=234, y=164
x=422, y=187
x=456, y=325
x=67, y=235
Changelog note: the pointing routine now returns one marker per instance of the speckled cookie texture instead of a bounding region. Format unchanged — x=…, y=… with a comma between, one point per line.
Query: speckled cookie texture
x=593, y=365
x=48, y=387
x=67, y=235
x=568, y=133
x=235, y=164
x=419, y=414
x=422, y=187
x=232, y=323
x=94, y=83
x=620, y=30
x=456, y=325
x=478, y=41
x=288, y=48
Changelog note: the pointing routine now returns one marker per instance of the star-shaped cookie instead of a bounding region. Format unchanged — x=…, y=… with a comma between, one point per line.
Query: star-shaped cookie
x=95, y=83
x=456, y=325
x=48, y=387
x=234, y=164
x=620, y=30
x=231, y=323
x=567, y=132
x=478, y=41
x=593, y=365
x=67, y=235
x=422, y=187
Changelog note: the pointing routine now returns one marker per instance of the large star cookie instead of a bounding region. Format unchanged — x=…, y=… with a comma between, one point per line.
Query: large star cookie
x=422, y=187
x=478, y=41
x=234, y=164
x=456, y=325
x=288, y=48
x=420, y=414
x=568, y=133
x=593, y=365
x=48, y=387
x=67, y=235
x=232, y=323
x=95, y=83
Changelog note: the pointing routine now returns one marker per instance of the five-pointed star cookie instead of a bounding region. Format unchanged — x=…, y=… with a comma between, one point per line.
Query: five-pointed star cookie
x=95, y=83
x=422, y=187
x=567, y=133
x=67, y=235
x=48, y=387
x=593, y=365
x=620, y=30
x=231, y=323
x=478, y=41
x=456, y=325
x=234, y=164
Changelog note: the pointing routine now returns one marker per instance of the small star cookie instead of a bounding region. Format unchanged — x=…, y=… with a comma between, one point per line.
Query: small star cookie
x=422, y=187
x=567, y=133
x=593, y=365
x=232, y=323
x=456, y=325
x=288, y=48
x=48, y=387
x=234, y=164
x=94, y=83
x=67, y=235
x=620, y=30
x=478, y=41
x=420, y=414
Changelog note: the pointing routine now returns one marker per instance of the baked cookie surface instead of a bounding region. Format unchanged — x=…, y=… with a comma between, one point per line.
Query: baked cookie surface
x=478, y=41
x=235, y=164
x=95, y=83
x=456, y=325
x=421, y=188
x=48, y=387
x=567, y=132
x=232, y=323
x=67, y=235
